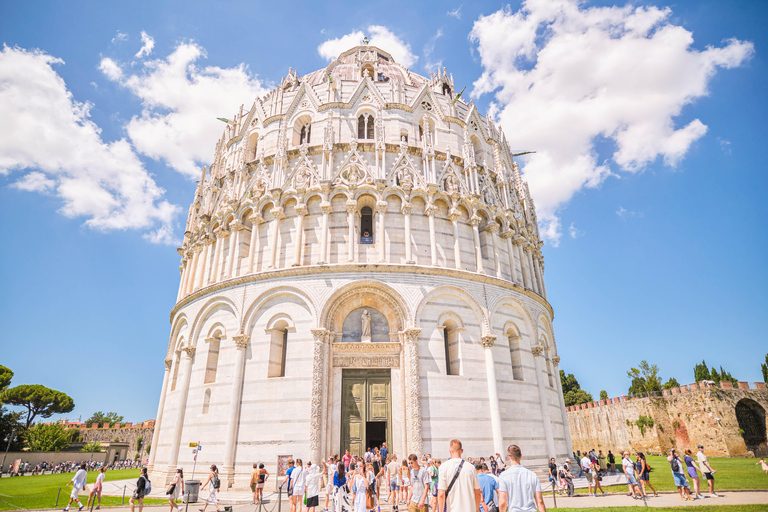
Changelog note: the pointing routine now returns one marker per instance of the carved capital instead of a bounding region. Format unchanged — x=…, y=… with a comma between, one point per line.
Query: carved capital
x=237, y=225
x=277, y=213
x=406, y=209
x=519, y=241
x=537, y=350
x=320, y=335
x=241, y=340
x=257, y=219
x=325, y=207
x=222, y=234
x=430, y=210
x=411, y=335
x=454, y=214
x=528, y=248
x=381, y=206
x=168, y=364
x=351, y=205
x=492, y=227
x=190, y=351
x=475, y=220
x=488, y=340
x=556, y=360
x=301, y=209
x=507, y=234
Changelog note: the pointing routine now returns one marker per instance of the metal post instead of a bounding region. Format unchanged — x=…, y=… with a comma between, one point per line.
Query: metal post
x=10, y=440
x=554, y=500
x=279, y=498
x=123, y=503
x=57, y=497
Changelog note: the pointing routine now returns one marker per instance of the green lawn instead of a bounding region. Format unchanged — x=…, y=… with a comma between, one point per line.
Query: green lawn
x=33, y=492
x=703, y=508
x=731, y=474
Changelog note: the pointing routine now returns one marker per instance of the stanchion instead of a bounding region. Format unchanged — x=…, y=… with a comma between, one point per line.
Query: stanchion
x=57, y=497
x=554, y=500
x=123, y=503
x=279, y=498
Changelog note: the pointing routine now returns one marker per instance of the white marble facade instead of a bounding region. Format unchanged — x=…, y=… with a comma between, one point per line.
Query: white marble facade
x=361, y=186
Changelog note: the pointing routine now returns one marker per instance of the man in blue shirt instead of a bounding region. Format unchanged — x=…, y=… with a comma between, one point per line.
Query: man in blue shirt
x=384, y=452
x=488, y=486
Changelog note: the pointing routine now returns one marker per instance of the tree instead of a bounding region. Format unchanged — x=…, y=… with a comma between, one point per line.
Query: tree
x=764, y=367
x=671, y=383
x=101, y=418
x=701, y=372
x=6, y=374
x=52, y=437
x=93, y=446
x=603, y=395
x=645, y=379
x=9, y=421
x=572, y=392
x=723, y=375
x=38, y=400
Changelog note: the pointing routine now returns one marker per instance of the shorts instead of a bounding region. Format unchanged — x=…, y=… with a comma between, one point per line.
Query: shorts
x=75, y=493
x=590, y=478
x=329, y=488
x=393, y=486
x=414, y=507
x=680, y=480
x=137, y=495
x=631, y=480
x=253, y=487
x=297, y=491
x=313, y=501
x=645, y=476
x=709, y=476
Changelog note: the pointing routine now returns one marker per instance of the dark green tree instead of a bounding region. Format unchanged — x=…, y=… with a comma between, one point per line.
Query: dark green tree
x=101, y=418
x=701, y=372
x=9, y=421
x=6, y=374
x=764, y=367
x=38, y=400
x=645, y=378
x=52, y=437
x=671, y=383
x=603, y=395
x=572, y=392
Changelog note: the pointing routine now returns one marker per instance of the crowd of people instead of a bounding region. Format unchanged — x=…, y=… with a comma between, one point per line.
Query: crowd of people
x=71, y=466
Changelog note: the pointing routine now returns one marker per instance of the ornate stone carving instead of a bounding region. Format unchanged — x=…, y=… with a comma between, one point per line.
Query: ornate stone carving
x=168, y=364
x=556, y=360
x=363, y=361
x=241, y=340
x=316, y=405
x=190, y=351
x=277, y=213
x=414, y=389
x=537, y=351
x=366, y=348
x=488, y=341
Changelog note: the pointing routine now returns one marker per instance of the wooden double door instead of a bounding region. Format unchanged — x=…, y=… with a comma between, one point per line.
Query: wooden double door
x=366, y=410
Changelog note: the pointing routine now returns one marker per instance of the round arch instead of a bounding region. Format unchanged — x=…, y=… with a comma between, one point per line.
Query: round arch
x=751, y=418
x=479, y=311
x=206, y=310
x=251, y=312
x=364, y=293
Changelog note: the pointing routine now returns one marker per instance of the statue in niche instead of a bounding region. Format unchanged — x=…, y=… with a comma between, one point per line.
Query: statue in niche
x=451, y=184
x=354, y=175
x=303, y=177
x=366, y=332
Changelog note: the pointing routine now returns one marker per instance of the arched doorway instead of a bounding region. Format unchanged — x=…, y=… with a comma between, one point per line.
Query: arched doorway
x=751, y=418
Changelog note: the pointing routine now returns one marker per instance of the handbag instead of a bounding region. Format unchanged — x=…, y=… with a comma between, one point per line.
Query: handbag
x=170, y=489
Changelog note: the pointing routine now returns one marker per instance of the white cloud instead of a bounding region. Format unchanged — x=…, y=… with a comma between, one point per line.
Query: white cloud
x=725, y=145
x=47, y=131
x=624, y=213
x=379, y=36
x=119, y=37
x=110, y=68
x=181, y=103
x=429, y=50
x=456, y=13
x=574, y=231
x=566, y=76
x=148, y=44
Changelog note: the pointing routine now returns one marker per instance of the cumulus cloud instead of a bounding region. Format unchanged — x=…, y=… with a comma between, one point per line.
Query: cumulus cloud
x=110, y=68
x=429, y=50
x=148, y=43
x=180, y=104
x=47, y=132
x=379, y=36
x=566, y=77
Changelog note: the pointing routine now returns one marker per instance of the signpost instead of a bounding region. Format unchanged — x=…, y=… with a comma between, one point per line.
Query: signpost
x=196, y=447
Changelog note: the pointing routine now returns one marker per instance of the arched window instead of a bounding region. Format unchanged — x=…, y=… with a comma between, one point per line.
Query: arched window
x=447, y=90
x=451, y=346
x=367, y=70
x=365, y=126
x=212, y=362
x=404, y=135
x=514, y=355
x=176, y=364
x=366, y=225
x=306, y=134
x=207, y=401
x=278, y=348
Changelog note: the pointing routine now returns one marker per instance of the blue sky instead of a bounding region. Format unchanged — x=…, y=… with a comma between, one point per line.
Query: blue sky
x=650, y=179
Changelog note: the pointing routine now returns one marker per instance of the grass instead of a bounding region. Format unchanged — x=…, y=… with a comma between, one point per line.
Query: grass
x=703, y=508
x=35, y=492
x=731, y=474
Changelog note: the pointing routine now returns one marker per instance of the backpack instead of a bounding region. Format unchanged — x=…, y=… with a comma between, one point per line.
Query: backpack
x=147, y=485
x=675, y=465
x=216, y=482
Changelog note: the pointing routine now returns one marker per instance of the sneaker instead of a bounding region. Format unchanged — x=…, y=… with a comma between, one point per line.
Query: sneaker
x=603, y=493
x=81, y=507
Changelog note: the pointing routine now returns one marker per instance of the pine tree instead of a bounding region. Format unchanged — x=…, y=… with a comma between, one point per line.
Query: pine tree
x=764, y=367
x=701, y=372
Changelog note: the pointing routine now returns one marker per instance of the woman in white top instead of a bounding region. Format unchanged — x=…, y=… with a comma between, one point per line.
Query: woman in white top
x=405, y=483
x=213, y=488
x=178, y=488
x=359, y=485
x=298, y=477
x=97, y=487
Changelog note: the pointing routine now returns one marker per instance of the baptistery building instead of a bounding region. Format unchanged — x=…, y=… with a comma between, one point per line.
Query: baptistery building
x=361, y=264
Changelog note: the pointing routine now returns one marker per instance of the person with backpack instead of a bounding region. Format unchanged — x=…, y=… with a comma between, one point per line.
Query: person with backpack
x=567, y=476
x=678, y=472
x=644, y=469
x=143, y=487
x=213, y=488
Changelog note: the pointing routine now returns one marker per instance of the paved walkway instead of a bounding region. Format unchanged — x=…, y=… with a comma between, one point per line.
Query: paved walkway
x=665, y=499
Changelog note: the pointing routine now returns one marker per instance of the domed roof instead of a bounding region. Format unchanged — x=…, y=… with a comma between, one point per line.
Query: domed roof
x=383, y=68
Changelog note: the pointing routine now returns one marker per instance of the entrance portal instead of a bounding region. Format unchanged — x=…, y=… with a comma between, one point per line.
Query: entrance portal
x=365, y=410
x=751, y=418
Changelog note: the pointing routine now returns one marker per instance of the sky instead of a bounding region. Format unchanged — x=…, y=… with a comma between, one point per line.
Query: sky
x=648, y=120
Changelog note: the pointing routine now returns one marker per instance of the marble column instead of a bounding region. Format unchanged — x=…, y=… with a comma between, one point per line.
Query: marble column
x=493, y=394
x=507, y=237
x=159, y=417
x=222, y=269
x=210, y=244
x=254, y=249
x=316, y=407
x=234, y=249
x=381, y=237
x=529, y=258
x=538, y=359
x=540, y=274
x=278, y=214
x=210, y=268
x=492, y=229
x=413, y=382
x=454, y=215
x=235, y=402
x=563, y=412
x=406, y=211
x=519, y=241
x=475, y=220
x=351, y=209
x=430, y=212
x=325, y=207
x=301, y=212
x=195, y=272
x=182, y=278
x=178, y=423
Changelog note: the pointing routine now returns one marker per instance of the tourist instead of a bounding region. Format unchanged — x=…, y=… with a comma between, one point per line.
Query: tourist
x=330, y=470
x=691, y=468
x=567, y=476
x=97, y=488
x=297, y=488
x=339, y=487
x=312, y=481
x=384, y=453
x=420, y=481
x=405, y=483
x=631, y=472
x=707, y=470
x=457, y=487
x=678, y=473
x=611, y=462
x=432, y=470
x=286, y=483
x=252, y=484
x=346, y=460
x=359, y=485
x=596, y=470
x=493, y=465
x=488, y=486
x=586, y=466
x=175, y=489
x=764, y=465
x=601, y=460
x=394, y=487
x=553, y=476
x=78, y=484
x=143, y=487
x=519, y=488
x=214, y=483
x=644, y=470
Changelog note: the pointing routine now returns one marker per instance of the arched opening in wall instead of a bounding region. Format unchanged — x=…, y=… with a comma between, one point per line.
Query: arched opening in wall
x=176, y=364
x=278, y=347
x=447, y=90
x=404, y=135
x=514, y=354
x=365, y=324
x=365, y=126
x=207, y=401
x=479, y=151
x=366, y=225
x=451, y=347
x=212, y=361
x=367, y=70
x=252, y=148
x=302, y=130
x=751, y=418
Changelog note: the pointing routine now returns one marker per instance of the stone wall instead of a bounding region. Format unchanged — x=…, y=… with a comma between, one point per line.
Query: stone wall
x=129, y=435
x=683, y=418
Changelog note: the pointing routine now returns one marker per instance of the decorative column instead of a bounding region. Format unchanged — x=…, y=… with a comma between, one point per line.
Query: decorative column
x=182, y=278
x=414, y=390
x=493, y=394
x=519, y=241
x=278, y=214
x=206, y=263
x=406, y=211
x=475, y=220
x=563, y=412
x=325, y=207
x=529, y=258
x=253, y=258
x=301, y=211
x=538, y=356
x=507, y=237
x=454, y=216
x=233, y=418
x=351, y=207
x=539, y=274
x=492, y=229
x=381, y=239
x=226, y=260
x=195, y=272
x=316, y=406
x=430, y=211
x=159, y=417
x=210, y=270
x=234, y=255
x=178, y=424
